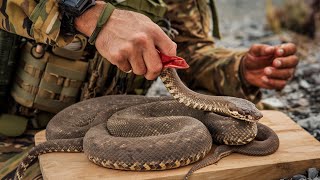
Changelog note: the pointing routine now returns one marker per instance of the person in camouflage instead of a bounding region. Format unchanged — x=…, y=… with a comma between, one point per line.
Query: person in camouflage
x=130, y=40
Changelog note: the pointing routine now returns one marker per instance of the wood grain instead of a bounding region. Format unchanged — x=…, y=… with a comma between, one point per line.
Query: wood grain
x=298, y=151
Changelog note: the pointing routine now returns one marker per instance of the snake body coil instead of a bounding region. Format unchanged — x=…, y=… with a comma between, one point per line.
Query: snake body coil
x=144, y=133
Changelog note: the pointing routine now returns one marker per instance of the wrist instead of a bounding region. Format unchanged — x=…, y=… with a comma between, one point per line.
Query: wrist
x=87, y=22
x=242, y=75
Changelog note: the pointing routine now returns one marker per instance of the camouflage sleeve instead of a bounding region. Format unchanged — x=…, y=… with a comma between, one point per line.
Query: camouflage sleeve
x=38, y=20
x=214, y=70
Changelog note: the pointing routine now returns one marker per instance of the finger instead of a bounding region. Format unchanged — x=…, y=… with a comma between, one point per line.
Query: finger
x=261, y=50
x=273, y=83
x=152, y=62
x=163, y=43
x=124, y=66
x=282, y=74
x=286, y=50
x=119, y=59
x=286, y=62
x=137, y=63
x=253, y=62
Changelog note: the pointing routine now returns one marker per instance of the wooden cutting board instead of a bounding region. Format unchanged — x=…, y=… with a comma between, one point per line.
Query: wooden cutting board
x=298, y=151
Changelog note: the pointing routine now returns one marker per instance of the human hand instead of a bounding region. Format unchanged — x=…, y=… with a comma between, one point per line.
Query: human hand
x=269, y=67
x=128, y=40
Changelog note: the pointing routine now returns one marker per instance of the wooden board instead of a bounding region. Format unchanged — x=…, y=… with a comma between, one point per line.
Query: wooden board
x=298, y=151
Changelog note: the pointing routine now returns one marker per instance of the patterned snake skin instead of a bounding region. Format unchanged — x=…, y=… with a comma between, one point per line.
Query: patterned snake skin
x=140, y=133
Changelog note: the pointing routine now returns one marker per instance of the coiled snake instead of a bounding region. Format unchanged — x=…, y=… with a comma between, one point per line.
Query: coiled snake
x=140, y=133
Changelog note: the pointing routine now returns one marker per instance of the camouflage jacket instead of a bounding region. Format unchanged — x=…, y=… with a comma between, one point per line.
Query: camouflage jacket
x=214, y=70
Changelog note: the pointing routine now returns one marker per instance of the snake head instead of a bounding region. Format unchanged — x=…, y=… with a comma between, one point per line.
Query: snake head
x=243, y=109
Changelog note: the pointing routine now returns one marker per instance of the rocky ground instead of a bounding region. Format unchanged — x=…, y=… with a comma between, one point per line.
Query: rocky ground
x=243, y=23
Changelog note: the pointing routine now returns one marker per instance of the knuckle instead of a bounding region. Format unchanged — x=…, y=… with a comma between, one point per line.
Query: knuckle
x=126, y=49
x=140, y=71
x=156, y=69
x=116, y=57
x=141, y=39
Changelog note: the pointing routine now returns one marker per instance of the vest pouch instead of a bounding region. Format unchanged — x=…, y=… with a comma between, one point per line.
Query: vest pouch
x=48, y=83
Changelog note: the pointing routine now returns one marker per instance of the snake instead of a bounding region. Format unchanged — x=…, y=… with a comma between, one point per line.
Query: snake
x=139, y=133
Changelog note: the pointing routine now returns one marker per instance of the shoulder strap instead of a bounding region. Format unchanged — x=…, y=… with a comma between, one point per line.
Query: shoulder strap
x=215, y=30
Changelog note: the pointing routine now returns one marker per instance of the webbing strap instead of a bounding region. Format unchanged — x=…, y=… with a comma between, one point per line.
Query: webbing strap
x=215, y=29
x=50, y=87
x=69, y=92
x=22, y=96
x=63, y=68
x=30, y=60
x=25, y=77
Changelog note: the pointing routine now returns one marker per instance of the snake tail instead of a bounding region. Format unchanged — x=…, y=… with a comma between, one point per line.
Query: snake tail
x=48, y=147
x=259, y=147
x=219, y=153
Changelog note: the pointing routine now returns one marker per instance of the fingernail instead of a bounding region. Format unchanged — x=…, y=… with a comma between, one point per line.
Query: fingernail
x=265, y=79
x=277, y=63
x=268, y=71
x=280, y=52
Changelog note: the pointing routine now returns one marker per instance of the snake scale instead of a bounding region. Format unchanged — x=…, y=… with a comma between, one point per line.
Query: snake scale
x=130, y=132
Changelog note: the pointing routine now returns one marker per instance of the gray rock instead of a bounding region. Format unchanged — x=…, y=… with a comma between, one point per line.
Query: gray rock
x=157, y=89
x=303, y=102
x=299, y=177
x=310, y=123
x=274, y=102
x=312, y=173
x=304, y=84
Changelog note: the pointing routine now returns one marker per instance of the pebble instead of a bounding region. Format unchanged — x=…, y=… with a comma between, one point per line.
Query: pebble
x=303, y=102
x=304, y=84
x=274, y=102
x=310, y=123
x=312, y=173
x=299, y=177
